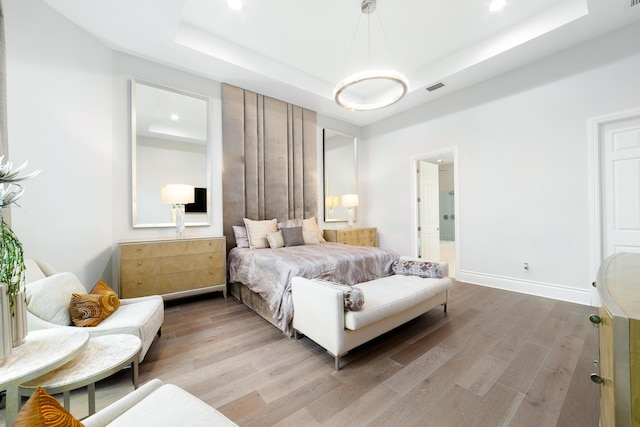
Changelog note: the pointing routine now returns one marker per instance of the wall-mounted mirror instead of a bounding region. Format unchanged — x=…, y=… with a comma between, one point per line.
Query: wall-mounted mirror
x=170, y=144
x=340, y=173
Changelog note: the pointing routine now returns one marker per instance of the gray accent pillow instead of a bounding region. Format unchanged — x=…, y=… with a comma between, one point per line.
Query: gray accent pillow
x=292, y=236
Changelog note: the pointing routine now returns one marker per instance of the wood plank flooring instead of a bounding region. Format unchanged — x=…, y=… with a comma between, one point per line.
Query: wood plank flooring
x=497, y=358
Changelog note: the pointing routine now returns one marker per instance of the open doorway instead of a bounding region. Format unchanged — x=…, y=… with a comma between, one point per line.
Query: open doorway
x=436, y=197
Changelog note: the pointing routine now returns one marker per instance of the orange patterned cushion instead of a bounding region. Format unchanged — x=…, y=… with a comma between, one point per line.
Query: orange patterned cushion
x=101, y=287
x=91, y=309
x=43, y=410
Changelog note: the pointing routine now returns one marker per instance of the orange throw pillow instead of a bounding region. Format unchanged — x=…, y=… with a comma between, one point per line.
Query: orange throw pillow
x=102, y=287
x=43, y=410
x=91, y=309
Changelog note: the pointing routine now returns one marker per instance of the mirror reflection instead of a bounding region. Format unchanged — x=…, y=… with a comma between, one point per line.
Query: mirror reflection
x=170, y=145
x=340, y=176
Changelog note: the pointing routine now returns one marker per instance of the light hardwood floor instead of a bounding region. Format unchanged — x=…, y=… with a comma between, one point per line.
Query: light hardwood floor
x=497, y=358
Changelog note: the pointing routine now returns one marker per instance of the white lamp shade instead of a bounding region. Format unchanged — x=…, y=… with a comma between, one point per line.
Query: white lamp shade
x=349, y=200
x=178, y=194
x=331, y=201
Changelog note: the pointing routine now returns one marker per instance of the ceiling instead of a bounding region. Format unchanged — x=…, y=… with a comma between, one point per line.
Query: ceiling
x=298, y=50
x=167, y=114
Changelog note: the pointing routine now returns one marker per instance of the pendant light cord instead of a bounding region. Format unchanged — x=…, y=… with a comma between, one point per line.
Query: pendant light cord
x=353, y=39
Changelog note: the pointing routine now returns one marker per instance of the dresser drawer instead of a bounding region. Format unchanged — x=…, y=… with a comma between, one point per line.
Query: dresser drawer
x=169, y=249
x=168, y=265
x=138, y=286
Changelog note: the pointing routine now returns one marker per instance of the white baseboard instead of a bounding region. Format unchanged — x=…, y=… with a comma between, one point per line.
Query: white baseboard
x=547, y=290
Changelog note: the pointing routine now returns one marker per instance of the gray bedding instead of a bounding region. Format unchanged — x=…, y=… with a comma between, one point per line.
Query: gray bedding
x=268, y=272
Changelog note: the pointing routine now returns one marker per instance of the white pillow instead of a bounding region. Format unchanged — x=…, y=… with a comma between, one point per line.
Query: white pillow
x=49, y=298
x=275, y=240
x=257, y=232
x=310, y=237
x=33, y=271
x=310, y=224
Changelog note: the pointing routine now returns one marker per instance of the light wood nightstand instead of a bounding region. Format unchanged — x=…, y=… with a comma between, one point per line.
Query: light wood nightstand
x=173, y=268
x=352, y=236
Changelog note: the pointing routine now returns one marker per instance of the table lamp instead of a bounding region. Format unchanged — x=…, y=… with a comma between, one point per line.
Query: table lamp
x=350, y=201
x=178, y=195
x=331, y=202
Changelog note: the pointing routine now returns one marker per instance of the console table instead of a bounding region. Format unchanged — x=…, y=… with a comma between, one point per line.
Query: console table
x=102, y=357
x=352, y=236
x=41, y=352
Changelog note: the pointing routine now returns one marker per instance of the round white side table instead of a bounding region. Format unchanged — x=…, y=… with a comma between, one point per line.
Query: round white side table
x=41, y=352
x=102, y=357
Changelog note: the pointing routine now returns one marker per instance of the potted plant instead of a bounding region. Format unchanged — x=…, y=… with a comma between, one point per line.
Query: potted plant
x=11, y=254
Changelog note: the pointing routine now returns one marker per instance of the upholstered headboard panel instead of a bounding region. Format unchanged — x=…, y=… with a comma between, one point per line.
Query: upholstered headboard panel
x=270, y=167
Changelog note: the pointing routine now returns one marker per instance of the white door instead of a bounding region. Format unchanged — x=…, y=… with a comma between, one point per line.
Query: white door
x=621, y=186
x=429, y=211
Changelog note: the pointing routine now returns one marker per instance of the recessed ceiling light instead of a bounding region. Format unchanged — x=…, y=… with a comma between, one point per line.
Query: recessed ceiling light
x=497, y=5
x=235, y=4
x=174, y=117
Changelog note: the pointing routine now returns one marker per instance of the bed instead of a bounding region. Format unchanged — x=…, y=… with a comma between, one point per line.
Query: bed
x=261, y=278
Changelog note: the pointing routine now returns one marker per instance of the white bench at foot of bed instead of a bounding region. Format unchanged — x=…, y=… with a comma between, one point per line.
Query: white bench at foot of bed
x=388, y=303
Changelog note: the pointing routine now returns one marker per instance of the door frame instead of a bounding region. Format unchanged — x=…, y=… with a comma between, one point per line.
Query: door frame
x=595, y=140
x=414, y=165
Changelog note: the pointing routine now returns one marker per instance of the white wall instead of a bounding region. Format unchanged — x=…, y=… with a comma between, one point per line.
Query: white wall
x=524, y=190
x=59, y=90
x=69, y=114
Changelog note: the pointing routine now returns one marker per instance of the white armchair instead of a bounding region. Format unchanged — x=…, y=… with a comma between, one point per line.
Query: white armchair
x=49, y=294
x=158, y=404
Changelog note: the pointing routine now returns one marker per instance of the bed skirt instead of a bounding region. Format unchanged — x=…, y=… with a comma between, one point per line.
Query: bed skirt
x=252, y=300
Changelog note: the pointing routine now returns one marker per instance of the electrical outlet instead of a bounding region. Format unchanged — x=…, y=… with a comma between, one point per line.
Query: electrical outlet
x=525, y=266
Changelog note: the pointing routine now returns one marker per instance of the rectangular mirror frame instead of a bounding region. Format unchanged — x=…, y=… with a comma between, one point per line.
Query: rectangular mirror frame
x=133, y=135
x=328, y=173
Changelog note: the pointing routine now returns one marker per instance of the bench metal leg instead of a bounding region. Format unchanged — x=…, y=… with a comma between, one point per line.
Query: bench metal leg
x=445, y=307
x=337, y=360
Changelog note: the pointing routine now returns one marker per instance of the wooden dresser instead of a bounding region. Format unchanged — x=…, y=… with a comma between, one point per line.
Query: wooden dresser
x=352, y=236
x=618, y=320
x=172, y=268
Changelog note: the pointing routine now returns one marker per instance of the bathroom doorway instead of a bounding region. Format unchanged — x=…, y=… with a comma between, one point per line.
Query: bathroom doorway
x=435, y=178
